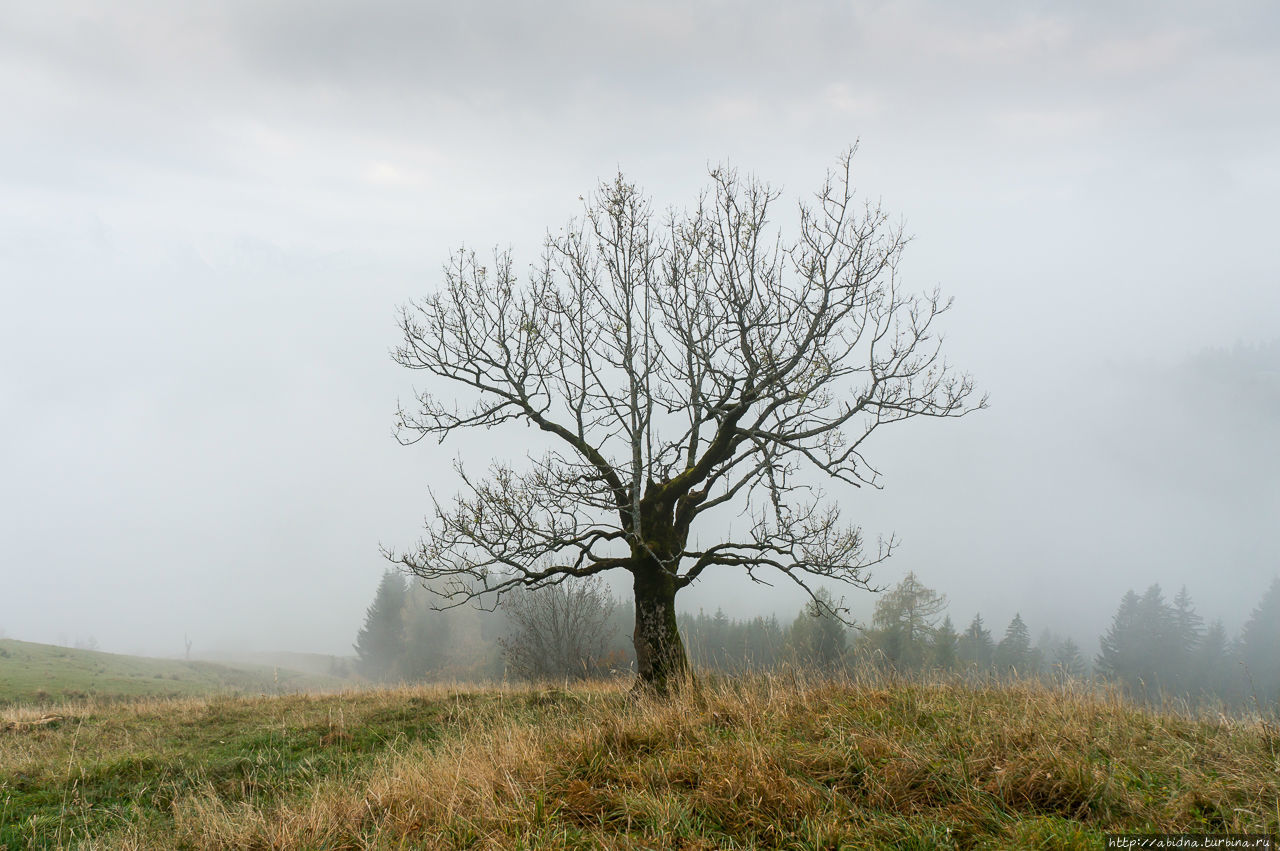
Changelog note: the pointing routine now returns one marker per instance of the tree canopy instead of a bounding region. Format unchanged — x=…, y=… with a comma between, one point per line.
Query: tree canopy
x=678, y=365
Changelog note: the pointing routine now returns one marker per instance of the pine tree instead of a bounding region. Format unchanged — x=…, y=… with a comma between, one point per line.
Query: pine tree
x=1212, y=671
x=729, y=645
x=1045, y=650
x=721, y=640
x=696, y=631
x=428, y=636
x=1142, y=650
x=1013, y=653
x=1117, y=658
x=1158, y=651
x=945, y=645
x=1187, y=624
x=1260, y=647
x=764, y=643
x=1188, y=628
x=1067, y=661
x=976, y=649
x=380, y=642
x=817, y=636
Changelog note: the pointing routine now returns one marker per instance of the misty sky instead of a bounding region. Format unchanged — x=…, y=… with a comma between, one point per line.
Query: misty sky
x=209, y=213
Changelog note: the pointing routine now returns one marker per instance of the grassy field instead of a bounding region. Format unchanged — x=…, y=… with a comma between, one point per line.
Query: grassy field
x=768, y=762
x=43, y=673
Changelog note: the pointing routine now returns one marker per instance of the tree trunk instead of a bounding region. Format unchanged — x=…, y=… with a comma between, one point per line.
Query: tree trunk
x=660, y=655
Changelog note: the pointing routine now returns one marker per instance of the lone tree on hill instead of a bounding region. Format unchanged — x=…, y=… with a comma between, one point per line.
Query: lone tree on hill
x=687, y=371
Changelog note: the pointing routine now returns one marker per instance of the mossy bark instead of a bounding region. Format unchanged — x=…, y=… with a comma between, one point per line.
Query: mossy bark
x=660, y=657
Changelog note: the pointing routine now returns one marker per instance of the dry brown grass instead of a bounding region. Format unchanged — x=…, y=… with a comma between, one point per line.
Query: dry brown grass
x=766, y=762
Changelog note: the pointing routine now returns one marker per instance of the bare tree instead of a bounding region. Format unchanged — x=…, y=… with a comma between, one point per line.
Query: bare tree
x=680, y=367
x=558, y=632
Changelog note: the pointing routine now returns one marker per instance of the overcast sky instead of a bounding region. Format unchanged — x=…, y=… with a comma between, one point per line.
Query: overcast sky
x=209, y=213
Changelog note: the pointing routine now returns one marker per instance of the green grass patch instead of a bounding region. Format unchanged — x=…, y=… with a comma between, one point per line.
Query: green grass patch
x=46, y=675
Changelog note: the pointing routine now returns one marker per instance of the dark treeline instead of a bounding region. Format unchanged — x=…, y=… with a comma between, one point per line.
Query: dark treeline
x=1155, y=648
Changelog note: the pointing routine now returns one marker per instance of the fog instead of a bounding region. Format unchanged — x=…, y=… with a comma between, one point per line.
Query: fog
x=208, y=219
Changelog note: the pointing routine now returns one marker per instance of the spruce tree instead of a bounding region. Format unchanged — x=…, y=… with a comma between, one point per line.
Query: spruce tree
x=1260, y=647
x=380, y=642
x=817, y=636
x=1213, y=674
x=1045, y=650
x=976, y=649
x=1067, y=662
x=427, y=636
x=1188, y=628
x=945, y=645
x=764, y=643
x=1013, y=653
x=1187, y=624
x=721, y=640
x=1157, y=655
x=1117, y=658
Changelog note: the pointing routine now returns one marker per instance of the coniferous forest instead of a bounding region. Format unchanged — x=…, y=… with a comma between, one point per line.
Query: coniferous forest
x=1156, y=648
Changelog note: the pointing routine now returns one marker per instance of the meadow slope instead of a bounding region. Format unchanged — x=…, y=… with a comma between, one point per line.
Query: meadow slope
x=775, y=762
x=44, y=673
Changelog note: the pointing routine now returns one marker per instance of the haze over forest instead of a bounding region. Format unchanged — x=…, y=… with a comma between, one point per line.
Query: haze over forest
x=209, y=218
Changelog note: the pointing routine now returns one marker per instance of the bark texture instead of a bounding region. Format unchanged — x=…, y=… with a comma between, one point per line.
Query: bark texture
x=660, y=656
